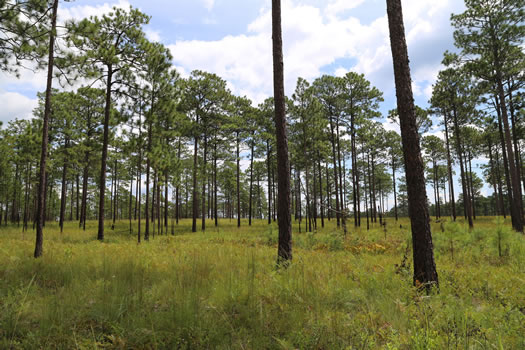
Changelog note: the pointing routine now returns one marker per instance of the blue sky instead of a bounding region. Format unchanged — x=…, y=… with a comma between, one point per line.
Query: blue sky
x=233, y=39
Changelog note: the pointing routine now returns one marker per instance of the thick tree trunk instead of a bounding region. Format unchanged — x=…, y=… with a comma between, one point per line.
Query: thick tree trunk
x=284, y=251
x=423, y=255
x=45, y=130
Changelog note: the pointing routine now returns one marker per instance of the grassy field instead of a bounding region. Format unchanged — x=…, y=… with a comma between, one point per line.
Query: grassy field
x=220, y=289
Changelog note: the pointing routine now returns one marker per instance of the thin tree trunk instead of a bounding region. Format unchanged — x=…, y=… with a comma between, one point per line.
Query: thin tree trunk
x=204, y=181
x=449, y=168
x=336, y=181
x=394, y=183
x=237, y=141
x=251, y=183
x=45, y=129
x=102, y=189
x=464, y=185
x=148, y=172
x=320, y=188
x=77, y=206
x=64, y=187
x=517, y=223
x=510, y=200
x=195, y=199
x=268, y=155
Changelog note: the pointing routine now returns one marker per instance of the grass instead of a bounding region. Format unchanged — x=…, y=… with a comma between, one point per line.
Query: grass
x=220, y=289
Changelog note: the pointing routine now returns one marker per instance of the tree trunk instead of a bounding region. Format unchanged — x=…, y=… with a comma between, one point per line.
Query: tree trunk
x=115, y=197
x=204, y=181
x=102, y=188
x=166, y=202
x=251, y=183
x=130, y=213
x=45, y=129
x=394, y=183
x=472, y=194
x=148, y=172
x=505, y=164
x=284, y=251
x=449, y=169
x=464, y=185
x=215, y=215
x=77, y=201
x=195, y=199
x=493, y=176
x=64, y=187
x=268, y=155
x=336, y=181
x=517, y=223
x=423, y=255
x=237, y=155
x=516, y=143
x=320, y=188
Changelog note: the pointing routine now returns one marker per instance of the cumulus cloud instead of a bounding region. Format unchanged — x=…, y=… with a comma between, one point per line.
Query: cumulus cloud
x=78, y=12
x=152, y=35
x=15, y=106
x=316, y=37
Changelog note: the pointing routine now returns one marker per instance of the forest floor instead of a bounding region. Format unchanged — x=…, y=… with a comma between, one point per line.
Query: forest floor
x=221, y=290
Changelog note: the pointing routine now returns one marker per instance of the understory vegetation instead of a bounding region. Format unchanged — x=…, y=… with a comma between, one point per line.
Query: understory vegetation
x=220, y=289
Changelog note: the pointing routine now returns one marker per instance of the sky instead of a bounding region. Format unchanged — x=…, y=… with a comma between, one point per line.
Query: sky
x=232, y=38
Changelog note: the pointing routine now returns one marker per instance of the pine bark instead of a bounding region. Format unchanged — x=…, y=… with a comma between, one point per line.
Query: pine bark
x=423, y=255
x=45, y=134
x=284, y=251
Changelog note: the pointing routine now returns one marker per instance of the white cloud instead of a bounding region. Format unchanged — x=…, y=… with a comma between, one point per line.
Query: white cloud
x=152, y=35
x=208, y=4
x=84, y=11
x=336, y=7
x=16, y=106
x=314, y=38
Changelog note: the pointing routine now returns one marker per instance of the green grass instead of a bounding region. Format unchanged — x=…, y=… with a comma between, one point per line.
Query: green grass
x=220, y=289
